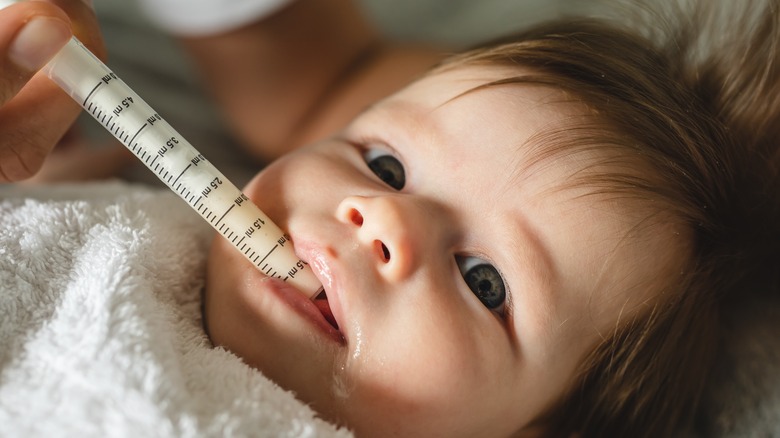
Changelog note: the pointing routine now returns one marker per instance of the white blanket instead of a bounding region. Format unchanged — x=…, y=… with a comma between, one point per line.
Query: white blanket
x=100, y=330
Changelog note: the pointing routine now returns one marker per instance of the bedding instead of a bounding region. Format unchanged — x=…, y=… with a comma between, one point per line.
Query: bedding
x=100, y=327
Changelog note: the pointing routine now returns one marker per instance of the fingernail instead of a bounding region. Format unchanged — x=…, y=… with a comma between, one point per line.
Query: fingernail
x=38, y=41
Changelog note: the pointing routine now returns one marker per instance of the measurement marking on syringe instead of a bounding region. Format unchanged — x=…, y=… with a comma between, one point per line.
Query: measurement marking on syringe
x=137, y=132
x=182, y=173
x=90, y=94
x=269, y=252
x=225, y=214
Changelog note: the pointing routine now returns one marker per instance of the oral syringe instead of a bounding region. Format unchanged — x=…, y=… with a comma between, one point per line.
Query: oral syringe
x=178, y=164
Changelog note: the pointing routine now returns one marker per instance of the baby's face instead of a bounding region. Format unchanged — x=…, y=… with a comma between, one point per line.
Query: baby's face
x=465, y=284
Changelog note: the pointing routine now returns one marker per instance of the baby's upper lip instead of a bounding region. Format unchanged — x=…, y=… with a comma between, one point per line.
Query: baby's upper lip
x=324, y=268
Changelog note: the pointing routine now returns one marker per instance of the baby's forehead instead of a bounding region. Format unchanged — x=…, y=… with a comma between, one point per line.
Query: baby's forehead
x=551, y=128
x=486, y=89
x=562, y=133
x=452, y=81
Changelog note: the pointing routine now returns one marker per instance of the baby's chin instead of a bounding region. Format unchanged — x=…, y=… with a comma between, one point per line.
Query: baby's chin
x=246, y=312
x=228, y=276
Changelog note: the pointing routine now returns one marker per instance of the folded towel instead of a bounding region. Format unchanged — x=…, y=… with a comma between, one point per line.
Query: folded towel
x=100, y=329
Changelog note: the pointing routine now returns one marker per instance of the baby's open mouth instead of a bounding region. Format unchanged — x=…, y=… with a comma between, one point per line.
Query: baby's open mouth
x=321, y=301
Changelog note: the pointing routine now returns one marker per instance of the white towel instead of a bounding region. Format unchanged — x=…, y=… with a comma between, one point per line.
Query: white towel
x=100, y=329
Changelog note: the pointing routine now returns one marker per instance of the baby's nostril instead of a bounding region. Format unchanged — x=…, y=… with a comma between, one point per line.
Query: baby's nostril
x=385, y=251
x=355, y=217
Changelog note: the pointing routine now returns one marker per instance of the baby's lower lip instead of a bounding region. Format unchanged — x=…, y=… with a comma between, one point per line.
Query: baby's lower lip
x=304, y=307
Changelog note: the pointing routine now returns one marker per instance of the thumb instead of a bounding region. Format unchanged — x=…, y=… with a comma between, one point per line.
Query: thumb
x=31, y=33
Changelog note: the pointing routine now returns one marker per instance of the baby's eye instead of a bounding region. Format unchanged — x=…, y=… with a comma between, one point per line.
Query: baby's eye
x=484, y=280
x=386, y=167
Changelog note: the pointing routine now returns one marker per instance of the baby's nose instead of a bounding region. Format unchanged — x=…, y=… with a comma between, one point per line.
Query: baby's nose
x=386, y=228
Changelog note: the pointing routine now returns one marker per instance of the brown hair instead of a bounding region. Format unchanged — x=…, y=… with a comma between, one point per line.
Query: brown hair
x=707, y=126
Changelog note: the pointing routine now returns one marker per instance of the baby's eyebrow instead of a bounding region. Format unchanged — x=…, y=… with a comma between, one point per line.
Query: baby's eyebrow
x=547, y=269
x=536, y=262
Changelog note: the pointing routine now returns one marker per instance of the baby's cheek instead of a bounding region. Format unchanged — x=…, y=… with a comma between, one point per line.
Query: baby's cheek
x=417, y=371
x=215, y=307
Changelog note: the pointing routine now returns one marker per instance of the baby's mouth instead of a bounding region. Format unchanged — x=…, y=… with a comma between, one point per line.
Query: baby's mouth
x=321, y=301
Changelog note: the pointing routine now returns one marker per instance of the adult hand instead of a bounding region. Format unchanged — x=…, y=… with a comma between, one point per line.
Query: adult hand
x=34, y=112
x=77, y=159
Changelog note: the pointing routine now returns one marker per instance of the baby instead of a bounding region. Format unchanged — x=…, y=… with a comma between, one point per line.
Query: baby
x=529, y=240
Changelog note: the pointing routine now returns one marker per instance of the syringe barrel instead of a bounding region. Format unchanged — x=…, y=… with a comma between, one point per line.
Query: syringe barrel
x=178, y=164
